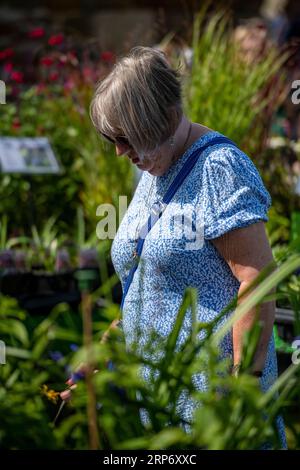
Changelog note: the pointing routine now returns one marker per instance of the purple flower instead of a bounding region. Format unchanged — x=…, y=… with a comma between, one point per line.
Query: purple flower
x=74, y=347
x=76, y=376
x=56, y=355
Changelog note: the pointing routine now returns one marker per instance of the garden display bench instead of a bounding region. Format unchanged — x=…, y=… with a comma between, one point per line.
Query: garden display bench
x=39, y=292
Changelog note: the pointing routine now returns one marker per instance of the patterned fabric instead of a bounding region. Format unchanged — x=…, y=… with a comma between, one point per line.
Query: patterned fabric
x=224, y=191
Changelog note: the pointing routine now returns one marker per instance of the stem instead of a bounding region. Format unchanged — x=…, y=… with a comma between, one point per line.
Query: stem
x=94, y=442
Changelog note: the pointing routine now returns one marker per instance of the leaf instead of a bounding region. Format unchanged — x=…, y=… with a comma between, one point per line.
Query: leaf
x=16, y=329
x=18, y=352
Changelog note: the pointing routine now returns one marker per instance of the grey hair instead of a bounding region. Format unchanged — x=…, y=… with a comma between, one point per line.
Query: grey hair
x=140, y=99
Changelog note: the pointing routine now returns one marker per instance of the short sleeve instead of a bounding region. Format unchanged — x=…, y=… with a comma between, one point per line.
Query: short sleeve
x=233, y=192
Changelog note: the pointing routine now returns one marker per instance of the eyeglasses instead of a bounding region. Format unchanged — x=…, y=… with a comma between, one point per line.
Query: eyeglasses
x=121, y=140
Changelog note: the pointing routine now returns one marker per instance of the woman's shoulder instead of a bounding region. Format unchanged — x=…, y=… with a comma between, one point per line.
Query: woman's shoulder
x=210, y=146
x=219, y=156
x=236, y=163
x=232, y=190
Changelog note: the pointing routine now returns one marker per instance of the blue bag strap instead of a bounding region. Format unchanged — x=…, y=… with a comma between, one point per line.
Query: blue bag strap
x=158, y=209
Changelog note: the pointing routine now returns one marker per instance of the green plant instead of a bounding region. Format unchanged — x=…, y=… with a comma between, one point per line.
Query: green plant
x=44, y=245
x=31, y=347
x=23, y=412
x=276, y=166
x=290, y=291
x=222, y=90
x=8, y=243
x=92, y=175
x=233, y=412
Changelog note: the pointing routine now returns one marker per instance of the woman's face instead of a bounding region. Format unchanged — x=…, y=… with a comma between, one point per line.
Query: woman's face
x=155, y=163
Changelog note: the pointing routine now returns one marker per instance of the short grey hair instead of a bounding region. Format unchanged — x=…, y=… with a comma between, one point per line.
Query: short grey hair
x=140, y=99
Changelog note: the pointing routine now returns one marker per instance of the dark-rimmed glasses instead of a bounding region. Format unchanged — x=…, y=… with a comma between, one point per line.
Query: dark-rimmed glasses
x=121, y=140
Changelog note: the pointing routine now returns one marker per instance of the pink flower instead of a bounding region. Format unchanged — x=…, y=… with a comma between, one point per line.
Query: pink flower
x=40, y=88
x=36, y=33
x=17, y=76
x=53, y=76
x=69, y=85
x=87, y=72
x=69, y=58
x=107, y=56
x=56, y=40
x=8, y=66
x=6, y=53
x=62, y=60
x=47, y=61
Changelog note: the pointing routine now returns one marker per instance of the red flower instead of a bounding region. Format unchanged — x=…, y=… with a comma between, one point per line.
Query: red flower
x=16, y=124
x=47, y=61
x=107, y=56
x=17, y=76
x=72, y=57
x=72, y=54
x=56, y=40
x=36, y=33
x=6, y=54
x=53, y=76
x=8, y=66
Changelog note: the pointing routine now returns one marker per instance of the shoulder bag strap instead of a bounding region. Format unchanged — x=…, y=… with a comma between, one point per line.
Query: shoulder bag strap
x=158, y=208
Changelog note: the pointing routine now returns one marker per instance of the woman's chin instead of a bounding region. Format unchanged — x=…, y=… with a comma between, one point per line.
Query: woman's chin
x=146, y=166
x=150, y=166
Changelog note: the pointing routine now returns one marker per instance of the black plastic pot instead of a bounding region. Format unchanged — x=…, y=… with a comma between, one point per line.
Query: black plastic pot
x=38, y=292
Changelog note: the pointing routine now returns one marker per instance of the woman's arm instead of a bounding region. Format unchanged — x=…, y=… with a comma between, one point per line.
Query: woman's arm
x=247, y=251
x=114, y=324
x=81, y=369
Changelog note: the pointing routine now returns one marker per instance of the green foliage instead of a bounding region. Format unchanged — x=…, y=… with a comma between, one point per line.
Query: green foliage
x=25, y=414
x=92, y=173
x=232, y=413
x=5, y=241
x=224, y=91
x=233, y=95
x=276, y=166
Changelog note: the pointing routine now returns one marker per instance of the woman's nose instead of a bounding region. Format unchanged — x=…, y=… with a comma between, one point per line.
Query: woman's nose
x=121, y=149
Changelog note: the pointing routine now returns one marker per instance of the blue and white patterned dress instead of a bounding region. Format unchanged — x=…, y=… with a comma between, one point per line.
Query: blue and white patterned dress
x=226, y=190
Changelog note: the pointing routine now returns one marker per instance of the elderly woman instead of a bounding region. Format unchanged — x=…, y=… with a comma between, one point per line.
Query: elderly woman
x=138, y=107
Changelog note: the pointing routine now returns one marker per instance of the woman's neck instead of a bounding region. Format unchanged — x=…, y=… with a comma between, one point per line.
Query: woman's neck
x=186, y=134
